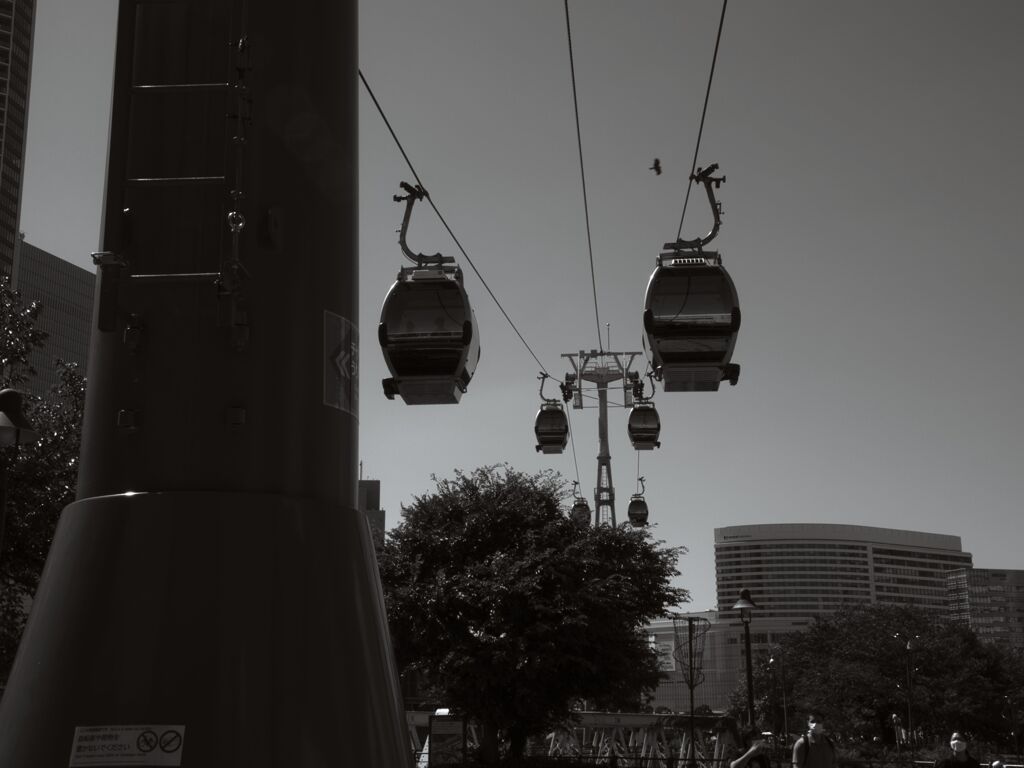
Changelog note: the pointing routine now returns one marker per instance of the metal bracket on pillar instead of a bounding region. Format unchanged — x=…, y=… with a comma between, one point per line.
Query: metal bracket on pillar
x=111, y=267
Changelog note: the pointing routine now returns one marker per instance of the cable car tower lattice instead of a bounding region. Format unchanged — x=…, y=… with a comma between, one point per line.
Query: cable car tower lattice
x=601, y=369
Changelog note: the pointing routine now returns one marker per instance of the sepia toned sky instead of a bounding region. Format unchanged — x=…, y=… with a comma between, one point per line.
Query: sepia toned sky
x=872, y=215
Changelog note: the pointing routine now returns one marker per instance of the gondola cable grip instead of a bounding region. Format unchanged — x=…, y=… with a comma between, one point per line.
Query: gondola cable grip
x=711, y=183
x=415, y=193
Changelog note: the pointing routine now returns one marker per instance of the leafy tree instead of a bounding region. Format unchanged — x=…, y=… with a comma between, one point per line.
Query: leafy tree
x=18, y=335
x=41, y=476
x=852, y=667
x=509, y=611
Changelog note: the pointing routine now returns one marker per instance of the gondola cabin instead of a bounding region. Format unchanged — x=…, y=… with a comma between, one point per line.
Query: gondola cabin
x=644, y=426
x=691, y=318
x=580, y=510
x=551, y=428
x=429, y=336
x=637, y=511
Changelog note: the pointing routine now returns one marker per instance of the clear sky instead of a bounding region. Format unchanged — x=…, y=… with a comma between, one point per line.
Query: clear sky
x=872, y=227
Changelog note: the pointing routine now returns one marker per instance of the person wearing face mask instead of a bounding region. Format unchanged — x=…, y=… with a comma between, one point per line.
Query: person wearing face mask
x=815, y=749
x=960, y=757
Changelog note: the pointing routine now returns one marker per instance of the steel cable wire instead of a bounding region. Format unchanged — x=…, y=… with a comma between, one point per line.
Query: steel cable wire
x=583, y=176
x=430, y=200
x=703, y=115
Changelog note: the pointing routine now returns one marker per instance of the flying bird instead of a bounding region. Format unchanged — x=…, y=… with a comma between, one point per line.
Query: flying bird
x=656, y=167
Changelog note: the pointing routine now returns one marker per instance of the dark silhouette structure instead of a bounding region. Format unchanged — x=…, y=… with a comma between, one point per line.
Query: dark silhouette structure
x=212, y=592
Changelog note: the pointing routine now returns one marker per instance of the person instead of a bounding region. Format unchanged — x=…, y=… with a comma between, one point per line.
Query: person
x=960, y=756
x=815, y=749
x=755, y=753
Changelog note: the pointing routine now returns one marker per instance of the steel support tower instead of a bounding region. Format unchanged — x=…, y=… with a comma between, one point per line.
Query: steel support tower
x=602, y=368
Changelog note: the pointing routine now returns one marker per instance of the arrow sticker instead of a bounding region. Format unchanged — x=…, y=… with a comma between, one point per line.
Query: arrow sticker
x=341, y=364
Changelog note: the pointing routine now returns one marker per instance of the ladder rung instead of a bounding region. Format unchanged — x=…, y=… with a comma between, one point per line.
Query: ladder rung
x=181, y=181
x=180, y=277
x=180, y=87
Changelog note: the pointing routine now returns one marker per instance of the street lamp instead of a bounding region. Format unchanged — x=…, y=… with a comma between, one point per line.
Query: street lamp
x=910, y=688
x=745, y=605
x=785, y=709
x=1014, y=732
x=15, y=429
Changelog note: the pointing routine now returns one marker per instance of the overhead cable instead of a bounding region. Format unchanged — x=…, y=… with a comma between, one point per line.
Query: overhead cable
x=430, y=200
x=572, y=442
x=583, y=176
x=703, y=114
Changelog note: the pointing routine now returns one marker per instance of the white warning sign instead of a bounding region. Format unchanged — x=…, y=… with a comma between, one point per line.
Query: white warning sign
x=341, y=364
x=125, y=745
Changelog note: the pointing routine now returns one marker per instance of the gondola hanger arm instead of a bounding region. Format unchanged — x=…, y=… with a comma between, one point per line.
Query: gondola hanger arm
x=414, y=193
x=543, y=378
x=711, y=183
x=638, y=387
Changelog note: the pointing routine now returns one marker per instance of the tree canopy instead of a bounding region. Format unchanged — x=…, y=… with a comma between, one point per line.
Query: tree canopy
x=18, y=335
x=41, y=476
x=852, y=668
x=509, y=611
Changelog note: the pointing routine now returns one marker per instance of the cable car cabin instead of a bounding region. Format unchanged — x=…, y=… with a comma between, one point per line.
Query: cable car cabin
x=429, y=336
x=580, y=510
x=637, y=511
x=551, y=428
x=644, y=426
x=691, y=316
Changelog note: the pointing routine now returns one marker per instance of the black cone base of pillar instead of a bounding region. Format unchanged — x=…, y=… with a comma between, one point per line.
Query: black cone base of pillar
x=254, y=621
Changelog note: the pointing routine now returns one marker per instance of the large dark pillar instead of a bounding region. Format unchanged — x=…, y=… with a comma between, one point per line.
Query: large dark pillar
x=211, y=598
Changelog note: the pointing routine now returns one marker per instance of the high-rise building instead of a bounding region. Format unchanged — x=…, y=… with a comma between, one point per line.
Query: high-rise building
x=369, y=503
x=16, y=25
x=989, y=601
x=797, y=571
x=66, y=293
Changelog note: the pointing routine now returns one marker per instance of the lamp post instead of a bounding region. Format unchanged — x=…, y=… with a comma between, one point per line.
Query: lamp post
x=745, y=606
x=1014, y=732
x=910, y=689
x=785, y=709
x=15, y=430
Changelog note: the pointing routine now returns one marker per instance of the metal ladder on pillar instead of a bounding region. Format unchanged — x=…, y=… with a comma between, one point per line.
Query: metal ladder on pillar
x=185, y=109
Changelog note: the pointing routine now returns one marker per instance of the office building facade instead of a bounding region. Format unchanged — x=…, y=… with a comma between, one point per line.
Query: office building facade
x=66, y=294
x=991, y=602
x=369, y=503
x=17, y=19
x=796, y=572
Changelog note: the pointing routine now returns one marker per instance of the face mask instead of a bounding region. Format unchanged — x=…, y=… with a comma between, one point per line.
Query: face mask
x=958, y=746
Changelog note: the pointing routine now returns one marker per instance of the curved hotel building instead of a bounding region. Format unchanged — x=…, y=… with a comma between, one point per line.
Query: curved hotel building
x=796, y=571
